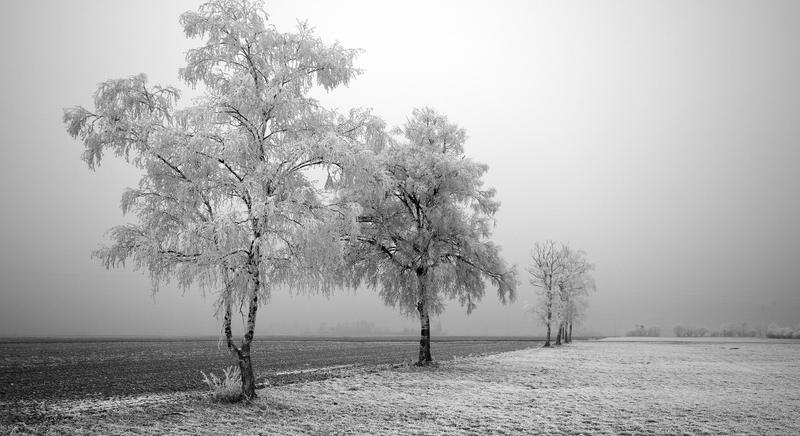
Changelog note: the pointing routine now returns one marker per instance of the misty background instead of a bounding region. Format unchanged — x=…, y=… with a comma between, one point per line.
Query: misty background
x=659, y=137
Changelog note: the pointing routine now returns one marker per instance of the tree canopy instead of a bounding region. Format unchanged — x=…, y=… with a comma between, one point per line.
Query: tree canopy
x=425, y=223
x=226, y=199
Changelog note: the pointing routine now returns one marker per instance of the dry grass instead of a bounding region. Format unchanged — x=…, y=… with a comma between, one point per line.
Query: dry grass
x=583, y=388
x=227, y=389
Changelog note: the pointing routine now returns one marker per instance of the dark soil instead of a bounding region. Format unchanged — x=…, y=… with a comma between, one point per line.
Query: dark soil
x=40, y=370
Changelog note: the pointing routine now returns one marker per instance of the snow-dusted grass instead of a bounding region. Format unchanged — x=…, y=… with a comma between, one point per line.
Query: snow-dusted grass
x=225, y=389
x=704, y=339
x=588, y=387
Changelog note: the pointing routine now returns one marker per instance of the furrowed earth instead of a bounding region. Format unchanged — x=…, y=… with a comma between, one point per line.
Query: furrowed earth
x=39, y=370
x=588, y=387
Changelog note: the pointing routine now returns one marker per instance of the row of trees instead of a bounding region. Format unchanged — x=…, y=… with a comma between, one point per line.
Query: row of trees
x=742, y=330
x=231, y=197
x=681, y=331
x=563, y=278
x=729, y=330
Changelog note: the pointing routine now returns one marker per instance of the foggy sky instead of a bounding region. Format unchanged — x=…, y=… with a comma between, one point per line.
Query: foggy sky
x=659, y=137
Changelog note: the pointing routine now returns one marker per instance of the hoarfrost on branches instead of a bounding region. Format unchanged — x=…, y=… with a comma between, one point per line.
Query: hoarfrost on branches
x=562, y=276
x=425, y=224
x=226, y=200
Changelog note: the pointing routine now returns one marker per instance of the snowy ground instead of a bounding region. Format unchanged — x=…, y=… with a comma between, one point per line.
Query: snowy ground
x=602, y=387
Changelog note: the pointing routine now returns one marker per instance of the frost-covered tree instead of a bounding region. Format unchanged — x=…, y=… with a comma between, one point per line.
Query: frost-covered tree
x=562, y=276
x=226, y=200
x=774, y=331
x=573, y=282
x=575, y=312
x=546, y=269
x=425, y=225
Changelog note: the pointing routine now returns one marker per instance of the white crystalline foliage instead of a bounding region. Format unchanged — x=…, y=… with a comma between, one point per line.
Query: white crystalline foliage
x=228, y=174
x=547, y=264
x=775, y=331
x=226, y=201
x=562, y=278
x=425, y=221
x=574, y=283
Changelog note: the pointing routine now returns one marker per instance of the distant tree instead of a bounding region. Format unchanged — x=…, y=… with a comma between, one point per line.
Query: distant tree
x=579, y=314
x=574, y=313
x=776, y=332
x=573, y=282
x=548, y=265
x=226, y=200
x=425, y=225
x=690, y=332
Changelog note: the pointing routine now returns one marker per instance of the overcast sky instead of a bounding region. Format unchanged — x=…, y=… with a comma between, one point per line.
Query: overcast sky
x=659, y=137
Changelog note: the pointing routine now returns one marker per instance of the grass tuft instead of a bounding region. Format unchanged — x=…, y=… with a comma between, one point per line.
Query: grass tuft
x=227, y=389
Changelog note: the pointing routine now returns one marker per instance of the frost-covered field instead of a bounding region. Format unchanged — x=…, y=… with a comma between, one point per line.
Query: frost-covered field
x=604, y=387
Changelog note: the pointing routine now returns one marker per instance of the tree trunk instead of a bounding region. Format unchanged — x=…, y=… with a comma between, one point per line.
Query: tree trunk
x=547, y=322
x=246, y=370
x=245, y=366
x=226, y=327
x=569, y=334
x=425, y=336
x=547, y=339
x=560, y=332
x=425, y=323
x=243, y=351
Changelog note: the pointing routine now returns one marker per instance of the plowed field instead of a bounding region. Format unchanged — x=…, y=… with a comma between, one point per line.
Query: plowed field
x=41, y=370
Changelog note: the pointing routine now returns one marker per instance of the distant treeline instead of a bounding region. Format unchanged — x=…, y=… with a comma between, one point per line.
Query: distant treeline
x=367, y=328
x=641, y=330
x=729, y=330
x=742, y=330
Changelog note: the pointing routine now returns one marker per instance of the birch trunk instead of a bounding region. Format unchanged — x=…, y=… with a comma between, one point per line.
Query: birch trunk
x=245, y=365
x=243, y=351
x=227, y=327
x=560, y=332
x=425, y=323
x=246, y=370
x=229, y=339
x=547, y=322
